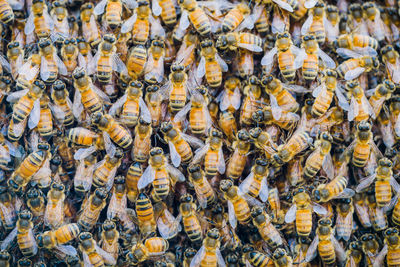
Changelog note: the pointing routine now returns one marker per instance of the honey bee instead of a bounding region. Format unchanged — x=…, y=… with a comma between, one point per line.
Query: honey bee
x=92, y=253
x=132, y=177
x=15, y=55
x=390, y=57
x=363, y=145
x=85, y=55
x=241, y=147
x=28, y=105
x=186, y=53
x=199, y=116
x=142, y=141
x=233, y=41
x=212, y=152
x=168, y=226
x=308, y=58
x=377, y=215
x=39, y=20
x=384, y=182
x=153, y=100
x=139, y=23
x=252, y=92
x=45, y=124
x=106, y=169
x=106, y=60
x=360, y=109
x=267, y=231
x=320, y=158
x=59, y=15
x=160, y=173
x=117, y=133
x=285, y=51
x=229, y=98
x=62, y=107
x=145, y=215
x=329, y=249
x=91, y=209
x=204, y=192
x=373, y=21
x=29, y=166
x=153, y=246
x=301, y=211
x=69, y=54
x=112, y=10
x=238, y=209
x=24, y=234
x=263, y=141
x=381, y=93
x=90, y=28
x=281, y=258
x=7, y=209
x=154, y=69
x=54, y=213
x=344, y=221
x=315, y=23
x=209, y=254
x=51, y=65
x=193, y=13
x=358, y=43
x=361, y=208
x=256, y=258
x=179, y=144
x=211, y=64
x=109, y=238
x=354, y=254
x=57, y=238
x=35, y=202
x=191, y=223
x=390, y=249
x=136, y=61
x=355, y=66
x=176, y=88
x=370, y=247
x=84, y=174
x=255, y=184
x=297, y=143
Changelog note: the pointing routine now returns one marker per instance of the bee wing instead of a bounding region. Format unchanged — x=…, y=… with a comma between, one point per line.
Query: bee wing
x=367, y=106
x=200, y=197
x=156, y=8
x=363, y=215
x=44, y=69
x=380, y=258
x=200, y=153
x=184, y=52
x=312, y=249
x=131, y=4
x=15, y=96
x=77, y=106
x=346, y=53
x=181, y=115
x=57, y=112
x=4, y=62
x=103, y=96
x=247, y=23
x=156, y=29
x=353, y=74
x=296, y=88
x=184, y=21
x=108, y=144
x=146, y=178
x=250, y=47
x=176, y=174
x=328, y=167
x=5, y=153
x=175, y=157
x=235, y=99
x=276, y=109
x=220, y=259
x=328, y=61
x=394, y=70
x=99, y=8
x=169, y=230
x=221, y=62
x=29, y=25
x=66, y=249
x=193, y=141
x=128, y=24
x=367, y=181
x=300, y=57
x=346, y=193
x=144, y=111
x=118, y=65
x=86, y=260
x=83, y=178
x=310, y=3
x=257, y=11
x=367, y=51
x=232, y=215
x=291, y=214
x=306, y=25
x=264, y=190
x=10, y=238
x=107, y=257
x=19, y=128
x=62, y=69
x=34, y=117
x=340, y=253
x=397, y=126
x=268, y=58
x=387, y=134
x=395, y=185
x=283, y=5
x=353, y=110
x=319, y=89
x=84, y=152
x=342, y=99
x=344, y=220
x=319, y=209
x=221, y=162
x=198, y=257
x=92, y=64
x=118, y=105
x=49, y=20
x=246, y=183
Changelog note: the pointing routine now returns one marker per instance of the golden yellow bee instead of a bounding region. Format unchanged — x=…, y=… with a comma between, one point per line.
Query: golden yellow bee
x=370, y=247
x=54, y=213
x=153, y=246
x=91, y=209
x=320, y=158
x=154, y=70
x=109, y=238
x=90, y=28
x=191, y=223
x=92, y=253
x=145, y=215
x=374, y=23
x=237, y=162
x=266, y=229
x=315, y=23
x=391, y=248
x=106, y=169
x=344, y=220
x=153, y=100
x=281, y=258
x=252, y=100
x=297, y=143
x=355, y=66
x=39, y=20
x=209, y=254
x=59, y=14
x=390, y=57
x=255, y=184
x=51, y=65
x=136, y=61
x=7, y=209
x=112, y=10
x=193, y=13
x=84, y=174
x=56, y=238
x=244, y=40
x=142, y=141
x=132, y=177
x=256, y=258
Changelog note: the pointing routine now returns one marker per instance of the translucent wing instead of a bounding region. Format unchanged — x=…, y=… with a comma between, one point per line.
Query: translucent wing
x=291, y=214
x=367, y=181
x=344, y=52
x=184, y=21
x=220, y=259
x=221, y=62
x=118, y=65
x=5, y=154
x=268, y=58
x=108, y=144
x=306, y=25
x=156, y=8
x=128, y=24
x=67, y=250
x=353, y=74
x=181, y=115
x=347, y=193
x=77, y=106
x=193, y=141
x=118, y=105
x=15, y=96
x=5, y=63
x=251, y=47
x=221, y=162
x=342, y=99
x=395, y=185
x=328, y=61
x=62, y=69
x=176, y=174
x=184, y=52
x=319, y=209
x=246, y=183
x=29, y=25
x=86, y=260
x=107, y=257
x=276, y=109
x=380, y=258
x=310, y=3
x=328, y=167
x=156, y=29
x=201, y=68
x=232, y=215
x=200, y=153
x=198, y=257
x=344, y=220
x=353, y=110
x=99, y=8
x=397, y=126
x=387, y=135
x=367, y=51
x=319, y=89
x=283, y=5
x=312, y=249
x=264, y=191
x=44, y=69
x=175, y=157
x=57, y=112
x=84, y=152
x=168, y=231
x=144, y=111
x=131, y=4
x=146, y=178
x=340, y=253
x=10, y=238
x=34, y=117
x=301, y=56
x=296, y=88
